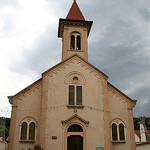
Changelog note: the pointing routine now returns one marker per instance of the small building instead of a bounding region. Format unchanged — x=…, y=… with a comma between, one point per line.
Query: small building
x=72, y=106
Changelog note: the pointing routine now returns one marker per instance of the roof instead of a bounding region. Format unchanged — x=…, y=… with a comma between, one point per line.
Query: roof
x=131, y=100
x=137, y=132
x=73, y=22
x=143, y=143
x=75, y=12
x=1, y=139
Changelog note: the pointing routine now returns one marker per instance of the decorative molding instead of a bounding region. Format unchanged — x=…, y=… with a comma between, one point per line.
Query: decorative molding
x=29, y=119
x=28, y=90
x=75, y=106
x=75, y=59
x=75, y=116
x=75, y=73
x=120, y=94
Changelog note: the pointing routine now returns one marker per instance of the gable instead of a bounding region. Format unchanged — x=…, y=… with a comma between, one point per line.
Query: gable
x=75, y=116
x=78, y=60
x=68, y=62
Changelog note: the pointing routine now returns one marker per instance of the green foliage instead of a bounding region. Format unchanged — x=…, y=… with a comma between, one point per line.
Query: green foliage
x=4, y=127
x=5, y=122
x=37, y=147
x=137, y=125
x=3, y=132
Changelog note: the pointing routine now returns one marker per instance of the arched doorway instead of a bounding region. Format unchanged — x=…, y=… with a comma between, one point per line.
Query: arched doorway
x=75, y=137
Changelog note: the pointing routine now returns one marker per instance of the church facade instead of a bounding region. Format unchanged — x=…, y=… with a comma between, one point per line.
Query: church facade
x=72, y=106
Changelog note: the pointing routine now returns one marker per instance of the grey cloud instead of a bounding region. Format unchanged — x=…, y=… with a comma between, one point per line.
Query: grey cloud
x=145, y=13
x=117, y=46
x=142, y=109
x=45, y=53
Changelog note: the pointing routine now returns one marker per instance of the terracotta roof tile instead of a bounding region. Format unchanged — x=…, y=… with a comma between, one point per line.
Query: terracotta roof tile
x=75, y=13
x=137, y=132
x=1, y=139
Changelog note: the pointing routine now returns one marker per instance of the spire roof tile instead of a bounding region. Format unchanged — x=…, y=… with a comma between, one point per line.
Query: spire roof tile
x=75, y=12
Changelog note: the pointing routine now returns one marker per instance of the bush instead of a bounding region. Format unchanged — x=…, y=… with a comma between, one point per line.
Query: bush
x=37, y=147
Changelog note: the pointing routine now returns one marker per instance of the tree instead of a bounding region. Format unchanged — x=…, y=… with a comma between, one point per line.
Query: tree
x=3, y=132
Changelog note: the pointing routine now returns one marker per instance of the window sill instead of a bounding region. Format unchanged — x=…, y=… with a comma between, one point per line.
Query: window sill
x=118, y=141
x=75, y=106
x=27, y=141
x=73, y=50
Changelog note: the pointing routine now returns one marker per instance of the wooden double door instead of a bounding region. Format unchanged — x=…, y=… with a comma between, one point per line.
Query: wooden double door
x=75, y=142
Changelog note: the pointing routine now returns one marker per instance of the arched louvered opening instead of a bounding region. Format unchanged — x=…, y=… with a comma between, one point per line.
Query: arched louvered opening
x=72, y=42
x=78, y=40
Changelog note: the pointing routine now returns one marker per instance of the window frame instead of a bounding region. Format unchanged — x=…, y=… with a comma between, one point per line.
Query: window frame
x=75, y=103
x=28, y=121
x=76, y=44
x=22, y=129
x=117, y=122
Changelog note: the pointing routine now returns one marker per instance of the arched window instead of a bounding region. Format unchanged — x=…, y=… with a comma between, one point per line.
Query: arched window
x=28, y=128
x=75, y=41
x=121, y=132
x=32, y=131
x=114, y=132
x=72, y=42
x=75, y=128
x=23, y=131
x=118, y=130
x=78, y=42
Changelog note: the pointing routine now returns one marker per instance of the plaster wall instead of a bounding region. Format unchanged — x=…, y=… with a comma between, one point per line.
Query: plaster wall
x=57, y=109
x=119, y=110
x=137, y=139
x=28, y=105
x=66, y=52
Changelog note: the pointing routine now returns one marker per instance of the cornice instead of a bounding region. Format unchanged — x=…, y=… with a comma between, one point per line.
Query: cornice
x=25, y=91
x=69, y=22
x=119, y=93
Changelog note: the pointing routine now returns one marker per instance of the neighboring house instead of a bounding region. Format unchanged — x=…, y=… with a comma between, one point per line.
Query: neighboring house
x=1, y=139
x=141, y=136
x=142, y=142
x=137, y=136
x=72, y=106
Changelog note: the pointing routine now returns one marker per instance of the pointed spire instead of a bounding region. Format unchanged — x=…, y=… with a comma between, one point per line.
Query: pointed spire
x=75, y=12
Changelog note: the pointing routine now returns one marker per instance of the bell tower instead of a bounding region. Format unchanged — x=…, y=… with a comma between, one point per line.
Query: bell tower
x=74, y=31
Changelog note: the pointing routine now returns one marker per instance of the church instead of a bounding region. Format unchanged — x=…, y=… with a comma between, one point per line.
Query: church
x=72, y=106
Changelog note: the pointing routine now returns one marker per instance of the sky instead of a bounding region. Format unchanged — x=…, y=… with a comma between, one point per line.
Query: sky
x=119, y=44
